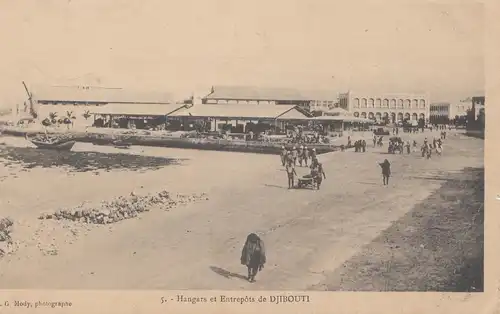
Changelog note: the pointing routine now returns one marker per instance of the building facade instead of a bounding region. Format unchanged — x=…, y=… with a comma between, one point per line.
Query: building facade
x=460, y=109
x=394, y=107
x=440, y=113
x=256, y=96
x=321, y=100
x=465, y=106
x=322, y=105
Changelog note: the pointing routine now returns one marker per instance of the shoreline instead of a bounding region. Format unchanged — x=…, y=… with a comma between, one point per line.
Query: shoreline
x=184, y=143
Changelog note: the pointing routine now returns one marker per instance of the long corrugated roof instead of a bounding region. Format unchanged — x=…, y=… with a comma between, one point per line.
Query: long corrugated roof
x=238, y=111
x=255, y=93
x=102, y=95
x=342, y=118
x=136, y=109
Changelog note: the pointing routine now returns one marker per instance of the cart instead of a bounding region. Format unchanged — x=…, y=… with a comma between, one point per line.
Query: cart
x=306, y=182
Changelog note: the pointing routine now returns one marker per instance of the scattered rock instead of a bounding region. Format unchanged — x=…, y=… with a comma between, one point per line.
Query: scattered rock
x=121, y=208
x=7, y=246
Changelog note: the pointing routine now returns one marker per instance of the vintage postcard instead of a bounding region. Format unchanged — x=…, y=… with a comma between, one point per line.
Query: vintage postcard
x=235, y=156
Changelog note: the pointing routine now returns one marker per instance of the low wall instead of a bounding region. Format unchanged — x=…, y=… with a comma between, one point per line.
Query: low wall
x=165, y=141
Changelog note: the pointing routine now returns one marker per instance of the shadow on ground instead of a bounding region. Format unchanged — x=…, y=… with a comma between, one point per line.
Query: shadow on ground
x=226, y=274
x=81, y=161
x=438, y=246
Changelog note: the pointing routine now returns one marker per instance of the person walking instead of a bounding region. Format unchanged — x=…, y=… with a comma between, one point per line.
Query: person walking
x=313, y=153
x=290, y=170
x=283, y=155
x=319, y=173
x=386, y=171
x=363, y=146
x=253, y=255
x=374, y=140
x=294, y=155
x=306, y=155
x=300, y=155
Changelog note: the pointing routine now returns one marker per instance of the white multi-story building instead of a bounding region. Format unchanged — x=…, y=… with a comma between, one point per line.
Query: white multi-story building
x=396, y=107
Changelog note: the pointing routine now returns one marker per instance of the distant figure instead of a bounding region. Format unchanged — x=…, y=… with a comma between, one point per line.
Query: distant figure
x=306, y=155
x=313, y=153
x=429, y=151
x=386, y=171
x=363, y=145
x=294, y=155
x=318, y=173
x=439, y=148
x=301, y=155
x=380, y=143
x=290, y=171
x=283, y=155
x=408, y=147
x=374, y=140
x=253, y=255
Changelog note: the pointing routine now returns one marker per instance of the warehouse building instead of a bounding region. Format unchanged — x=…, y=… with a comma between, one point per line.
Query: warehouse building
x=248, y=95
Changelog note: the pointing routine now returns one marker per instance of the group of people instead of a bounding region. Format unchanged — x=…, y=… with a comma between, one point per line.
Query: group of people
x=302, y=154
x=427, y=148
x=360, y=146
x=378, y=141
x=401, y=146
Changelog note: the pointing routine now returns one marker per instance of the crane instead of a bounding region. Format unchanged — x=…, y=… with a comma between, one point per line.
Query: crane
x=33, y=112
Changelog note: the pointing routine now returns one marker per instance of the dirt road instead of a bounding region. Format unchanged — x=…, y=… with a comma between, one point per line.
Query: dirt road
x=309, y=235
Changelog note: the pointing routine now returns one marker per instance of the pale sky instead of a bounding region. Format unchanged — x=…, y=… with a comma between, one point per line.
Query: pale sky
x=183, y=46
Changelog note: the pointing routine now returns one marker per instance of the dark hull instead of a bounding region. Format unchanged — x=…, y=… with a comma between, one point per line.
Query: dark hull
x=68, y=145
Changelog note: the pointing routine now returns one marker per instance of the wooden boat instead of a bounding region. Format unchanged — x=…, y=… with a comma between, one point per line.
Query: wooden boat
x=58, y=144
x=121, y=144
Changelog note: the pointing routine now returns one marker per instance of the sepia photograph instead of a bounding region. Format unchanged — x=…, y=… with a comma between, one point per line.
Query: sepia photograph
x=257, y=146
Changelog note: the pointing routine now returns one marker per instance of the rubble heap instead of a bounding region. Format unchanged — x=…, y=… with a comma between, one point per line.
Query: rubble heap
x=121, y=208
x=5, y=238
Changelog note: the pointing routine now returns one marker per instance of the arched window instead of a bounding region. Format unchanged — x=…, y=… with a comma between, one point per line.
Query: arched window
x=363, y=115
x=356, y=102
x=393, y=103
x=422, y=104
x=385, y=103
x=407, y=104
x=378, y=103
x=400, y=103
x=415, y=104
x=371, y=103
x=356, y=114
x=363, y=103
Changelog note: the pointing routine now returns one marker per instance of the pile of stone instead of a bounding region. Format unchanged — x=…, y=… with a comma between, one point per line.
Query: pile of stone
x=121, y=208
x=5, y=238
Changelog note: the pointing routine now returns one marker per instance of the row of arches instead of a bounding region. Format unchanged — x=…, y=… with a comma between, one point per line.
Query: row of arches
x=393, y=116
x=389, y=103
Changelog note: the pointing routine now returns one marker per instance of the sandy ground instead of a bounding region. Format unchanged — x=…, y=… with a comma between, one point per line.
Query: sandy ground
x=314, y=239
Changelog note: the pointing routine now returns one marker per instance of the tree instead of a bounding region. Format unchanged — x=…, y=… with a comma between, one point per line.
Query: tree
x=86, y=115
x=53, y=117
